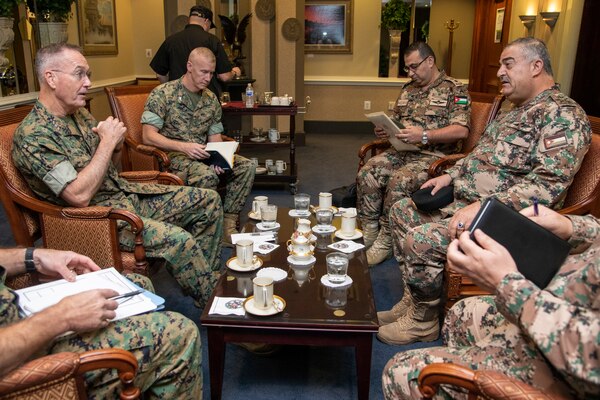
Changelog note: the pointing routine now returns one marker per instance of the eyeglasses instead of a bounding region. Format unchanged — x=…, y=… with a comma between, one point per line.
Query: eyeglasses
x=79, y=74
x=413, y=67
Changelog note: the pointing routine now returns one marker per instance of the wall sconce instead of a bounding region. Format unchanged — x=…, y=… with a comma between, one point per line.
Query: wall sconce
x=550, y=18
x=527, y=20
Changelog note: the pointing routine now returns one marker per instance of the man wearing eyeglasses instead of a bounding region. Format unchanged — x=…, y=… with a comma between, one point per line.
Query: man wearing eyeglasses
x=435, y=111
x=70, y=159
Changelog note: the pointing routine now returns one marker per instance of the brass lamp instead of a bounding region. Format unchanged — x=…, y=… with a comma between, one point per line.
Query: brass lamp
x=550, y=17
x=527, y=20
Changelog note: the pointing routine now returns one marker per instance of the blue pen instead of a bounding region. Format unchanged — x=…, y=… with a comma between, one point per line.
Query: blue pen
x=536, y=210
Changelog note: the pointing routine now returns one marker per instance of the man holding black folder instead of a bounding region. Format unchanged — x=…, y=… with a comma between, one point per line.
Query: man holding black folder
x=548, y=338
x=531, y=150
x=180, y=117
x=435, y=111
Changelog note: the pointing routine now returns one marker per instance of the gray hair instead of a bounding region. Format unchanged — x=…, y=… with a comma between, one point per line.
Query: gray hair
x=202, y=52
x=48, y=54
x=534, y=49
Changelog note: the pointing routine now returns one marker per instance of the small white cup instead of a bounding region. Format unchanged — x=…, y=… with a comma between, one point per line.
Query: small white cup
x=280, y=166
x=348, y=224
x=244, y=252
x=275, y=101
x=257, y=203
x=325, y=200
x=263, y=292
x=274, y=135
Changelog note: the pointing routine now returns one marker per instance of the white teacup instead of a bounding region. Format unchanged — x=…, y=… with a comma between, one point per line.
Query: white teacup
x=263, y=292
x=257, y=203
x=285, y=100
x=325, y=200
x=300, y=248
x=348, y=224
x=274, y=135
x=244, y=252
x=280, y=166
x=275, y=101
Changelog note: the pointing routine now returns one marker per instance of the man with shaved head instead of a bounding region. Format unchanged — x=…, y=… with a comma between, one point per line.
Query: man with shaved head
x=180, y=117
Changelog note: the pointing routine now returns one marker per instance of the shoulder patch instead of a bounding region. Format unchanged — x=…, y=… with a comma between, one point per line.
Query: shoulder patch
x=461, y=100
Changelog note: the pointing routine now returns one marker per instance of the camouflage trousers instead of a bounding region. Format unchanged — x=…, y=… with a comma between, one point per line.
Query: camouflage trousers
x=183, y=227
x=476, y=336
x=386, y=178
x=238, y=186
x=420, y=241
x=166, y=345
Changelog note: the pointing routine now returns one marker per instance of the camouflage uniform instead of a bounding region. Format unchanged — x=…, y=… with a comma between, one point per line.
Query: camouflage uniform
x=166, y=345
x=172, y=109
x=548, y=338
x=393, y=175
x=531, y=150
x=49, y=151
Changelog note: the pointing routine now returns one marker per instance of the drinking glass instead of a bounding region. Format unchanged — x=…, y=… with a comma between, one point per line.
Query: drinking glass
x=225, y=97
x=324, y=216
x=301, y=203
x=268, y=216
x=337, y=267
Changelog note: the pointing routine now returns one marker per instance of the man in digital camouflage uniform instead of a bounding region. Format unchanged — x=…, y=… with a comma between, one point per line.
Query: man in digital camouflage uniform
x=166, y=344
x=180, y=117
x=68, y=158
x=436, y=112
x=547, y=338
x=532, y=150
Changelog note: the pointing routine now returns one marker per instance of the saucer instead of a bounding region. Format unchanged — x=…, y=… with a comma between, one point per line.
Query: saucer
x=277, y=274
x=334, y=209
x=295, y=261
x=277, y=307
x=323, y=229
x=258, y=139
x=261, y=170
x=297, y=214
x=254, y=216
x=260, y=227
x=233, y=264
x=325, y=281
x=357, y=235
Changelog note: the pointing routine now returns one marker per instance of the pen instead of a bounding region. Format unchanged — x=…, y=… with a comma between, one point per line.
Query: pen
x=536, y=210
x=128, y=294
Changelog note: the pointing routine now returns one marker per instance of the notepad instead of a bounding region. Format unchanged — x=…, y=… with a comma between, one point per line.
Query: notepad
x=34, y=299
x=391, y=127
x=537, y=252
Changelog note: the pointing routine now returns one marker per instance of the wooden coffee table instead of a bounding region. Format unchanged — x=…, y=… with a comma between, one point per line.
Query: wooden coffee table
x=314, y=314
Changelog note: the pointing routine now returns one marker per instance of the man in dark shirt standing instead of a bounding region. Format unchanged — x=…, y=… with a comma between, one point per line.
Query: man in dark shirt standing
x=170, y=61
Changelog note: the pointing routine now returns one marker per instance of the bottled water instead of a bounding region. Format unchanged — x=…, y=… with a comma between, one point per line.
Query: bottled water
x=249, y=96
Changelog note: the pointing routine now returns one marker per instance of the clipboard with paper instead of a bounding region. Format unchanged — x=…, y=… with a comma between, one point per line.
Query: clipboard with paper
x=383, y=121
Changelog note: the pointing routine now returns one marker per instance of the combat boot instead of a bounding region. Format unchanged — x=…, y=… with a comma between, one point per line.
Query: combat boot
x=381, y=249
x=230, y=224
x=420, y=324
x=398, y=311
x=370, y=230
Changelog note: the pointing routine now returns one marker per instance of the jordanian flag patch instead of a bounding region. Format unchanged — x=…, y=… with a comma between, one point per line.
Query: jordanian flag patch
x=462, y=100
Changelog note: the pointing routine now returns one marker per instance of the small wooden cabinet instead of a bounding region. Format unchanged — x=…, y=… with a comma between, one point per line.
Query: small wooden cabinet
x=290, y=176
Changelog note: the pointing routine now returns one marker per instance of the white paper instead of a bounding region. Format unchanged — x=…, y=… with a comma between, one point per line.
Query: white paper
x=227, y=149
x=256, y=237
x=381, y=120
x=346, y=246
x=36, y=298
x=227, y=306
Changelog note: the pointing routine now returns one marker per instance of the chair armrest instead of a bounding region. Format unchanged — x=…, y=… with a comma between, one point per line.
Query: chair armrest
x=160, y=155
x=438, y=167
x=165, y=178
x=486, y=383
x=373, y=147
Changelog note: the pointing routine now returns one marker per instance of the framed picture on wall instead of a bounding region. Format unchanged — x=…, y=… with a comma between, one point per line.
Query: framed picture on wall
x=328, y=26
x=97, y=26
x=499, y=23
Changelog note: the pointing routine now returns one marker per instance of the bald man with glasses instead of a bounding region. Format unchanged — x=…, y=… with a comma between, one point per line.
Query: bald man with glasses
x=435, y=110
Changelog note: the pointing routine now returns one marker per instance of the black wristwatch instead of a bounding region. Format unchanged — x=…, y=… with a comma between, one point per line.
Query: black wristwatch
x=29, y=263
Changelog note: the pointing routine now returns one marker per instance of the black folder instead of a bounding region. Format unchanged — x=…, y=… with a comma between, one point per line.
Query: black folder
x=537, y=252
x=217, y=159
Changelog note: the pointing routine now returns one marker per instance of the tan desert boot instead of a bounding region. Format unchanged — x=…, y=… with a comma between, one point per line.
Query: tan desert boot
x=398, y=311
x=230, y=222
x=381, y=249
x=420, y=324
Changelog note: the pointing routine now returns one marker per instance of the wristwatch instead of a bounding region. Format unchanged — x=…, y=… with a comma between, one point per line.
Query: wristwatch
x=425, y=138
x=29, y=263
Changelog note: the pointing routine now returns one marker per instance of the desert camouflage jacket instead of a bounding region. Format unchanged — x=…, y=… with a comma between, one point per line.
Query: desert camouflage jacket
x=564, y=319
x=531, y=150
x=445, y=102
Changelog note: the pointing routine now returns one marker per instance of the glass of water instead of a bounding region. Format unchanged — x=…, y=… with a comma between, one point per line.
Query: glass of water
x=268, y=216
x=324, y=216
x=337, y=267
x=301, y=203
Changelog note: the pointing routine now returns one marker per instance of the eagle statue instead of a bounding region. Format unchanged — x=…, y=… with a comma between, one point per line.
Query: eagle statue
x=234, y=31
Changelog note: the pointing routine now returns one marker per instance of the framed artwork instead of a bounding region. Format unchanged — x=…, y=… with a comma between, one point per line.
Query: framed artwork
x=328, y=26
x=97, y=27
x=499, y=23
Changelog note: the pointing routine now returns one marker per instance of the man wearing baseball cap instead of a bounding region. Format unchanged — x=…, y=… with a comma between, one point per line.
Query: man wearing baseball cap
x=170, y=61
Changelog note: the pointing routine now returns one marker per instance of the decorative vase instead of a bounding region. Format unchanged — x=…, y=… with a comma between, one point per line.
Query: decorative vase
x=53, y=32
x=7, y=36
x=393, y=68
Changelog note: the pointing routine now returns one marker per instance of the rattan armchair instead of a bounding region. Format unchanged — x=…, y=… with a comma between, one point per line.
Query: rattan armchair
x=88, y=230
x=60, y=376
x=484, y=107
x=583, y=197
x=482, y=384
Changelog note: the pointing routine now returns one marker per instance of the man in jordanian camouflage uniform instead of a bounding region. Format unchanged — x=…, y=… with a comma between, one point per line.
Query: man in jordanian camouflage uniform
x=532, y=150
x=180, y=117
x=435, y=109
x=547, y=338
x=68, y=158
